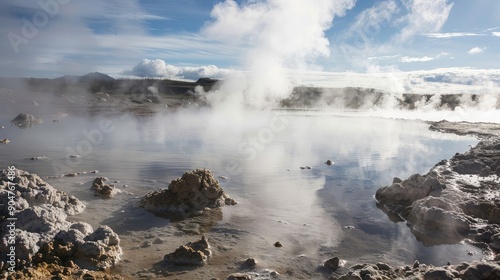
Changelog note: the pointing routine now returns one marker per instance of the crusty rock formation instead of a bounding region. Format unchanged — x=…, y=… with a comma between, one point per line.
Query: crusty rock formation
x=26, y=120
x=31, y=190
x=193, y=253
x=41, y=230
x=89, y=249
x=472, y=271
x=101, y=188
x=191, y=194
x=459, y=198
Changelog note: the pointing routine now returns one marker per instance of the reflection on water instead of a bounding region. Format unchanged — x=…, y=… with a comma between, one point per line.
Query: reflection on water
x=260, y=155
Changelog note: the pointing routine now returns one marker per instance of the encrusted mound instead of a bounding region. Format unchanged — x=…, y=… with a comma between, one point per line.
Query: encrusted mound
x=193, y=253
x=101, y=188
x=191, y=194
x=26, y=120
x=42, y=233
x=31, y=190
x=96, y=250
x=459, y=198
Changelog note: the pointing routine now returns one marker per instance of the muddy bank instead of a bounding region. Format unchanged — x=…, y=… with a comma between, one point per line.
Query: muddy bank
x=458, y=199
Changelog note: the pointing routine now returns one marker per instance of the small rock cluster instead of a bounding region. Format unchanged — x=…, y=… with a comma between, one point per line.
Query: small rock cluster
x=188, y=195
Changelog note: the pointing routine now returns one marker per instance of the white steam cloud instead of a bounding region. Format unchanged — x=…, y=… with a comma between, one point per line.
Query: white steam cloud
x=279, y=34
x=158, y=68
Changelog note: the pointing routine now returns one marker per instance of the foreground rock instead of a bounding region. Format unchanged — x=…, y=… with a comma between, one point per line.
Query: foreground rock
x=458, y=199
x=189, y=195
x=472, y=271
x=31, y=190
x=193, y=253
x=42, y=233
x=26, y=120
x=54, y=271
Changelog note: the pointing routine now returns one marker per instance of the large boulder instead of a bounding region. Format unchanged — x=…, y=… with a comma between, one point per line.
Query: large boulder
x=190, y=194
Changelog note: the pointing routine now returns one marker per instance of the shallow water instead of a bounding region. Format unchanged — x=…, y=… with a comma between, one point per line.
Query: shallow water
x=260, y=154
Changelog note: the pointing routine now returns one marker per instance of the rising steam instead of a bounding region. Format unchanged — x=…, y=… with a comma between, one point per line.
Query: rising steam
x=276, y=34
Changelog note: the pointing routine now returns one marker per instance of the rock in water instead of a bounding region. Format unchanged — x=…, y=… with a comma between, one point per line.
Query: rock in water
x=193, y=253
x=101, y=188
x=191, y=194
x=26, y=120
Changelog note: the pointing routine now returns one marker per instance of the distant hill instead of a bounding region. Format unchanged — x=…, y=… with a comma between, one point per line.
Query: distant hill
x=99, y=82
x=96, y=76
x=87, y=78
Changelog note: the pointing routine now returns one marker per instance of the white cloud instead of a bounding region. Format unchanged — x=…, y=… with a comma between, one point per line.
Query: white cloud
x=372, y=19
x=476, y=50
x=159, y=68
x=384, y=57
x=407, y=59
x=451, y=35
x=425, y=16
x=387, y=25
x=496, y=34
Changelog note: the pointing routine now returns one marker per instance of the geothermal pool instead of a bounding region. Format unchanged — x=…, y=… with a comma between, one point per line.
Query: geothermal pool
x=315, y=213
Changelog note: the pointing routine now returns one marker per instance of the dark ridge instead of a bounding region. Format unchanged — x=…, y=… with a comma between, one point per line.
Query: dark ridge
x=99, y=82
x=96, y=76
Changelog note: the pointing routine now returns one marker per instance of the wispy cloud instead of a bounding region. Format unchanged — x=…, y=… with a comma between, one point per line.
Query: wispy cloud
x=387, y=26
x=408, y=59
x=425, y=16
x=452, y=35
x=476, y=50
x=496, y=34
x=384, y=57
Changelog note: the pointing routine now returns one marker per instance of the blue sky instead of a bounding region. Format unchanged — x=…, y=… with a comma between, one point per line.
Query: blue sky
x=193, y=38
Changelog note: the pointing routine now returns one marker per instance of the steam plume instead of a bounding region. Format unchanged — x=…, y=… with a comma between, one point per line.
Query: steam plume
x=278, y=34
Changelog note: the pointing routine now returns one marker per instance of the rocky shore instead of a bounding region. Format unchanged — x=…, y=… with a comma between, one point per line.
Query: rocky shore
x=457, y=200
x=35, y=230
